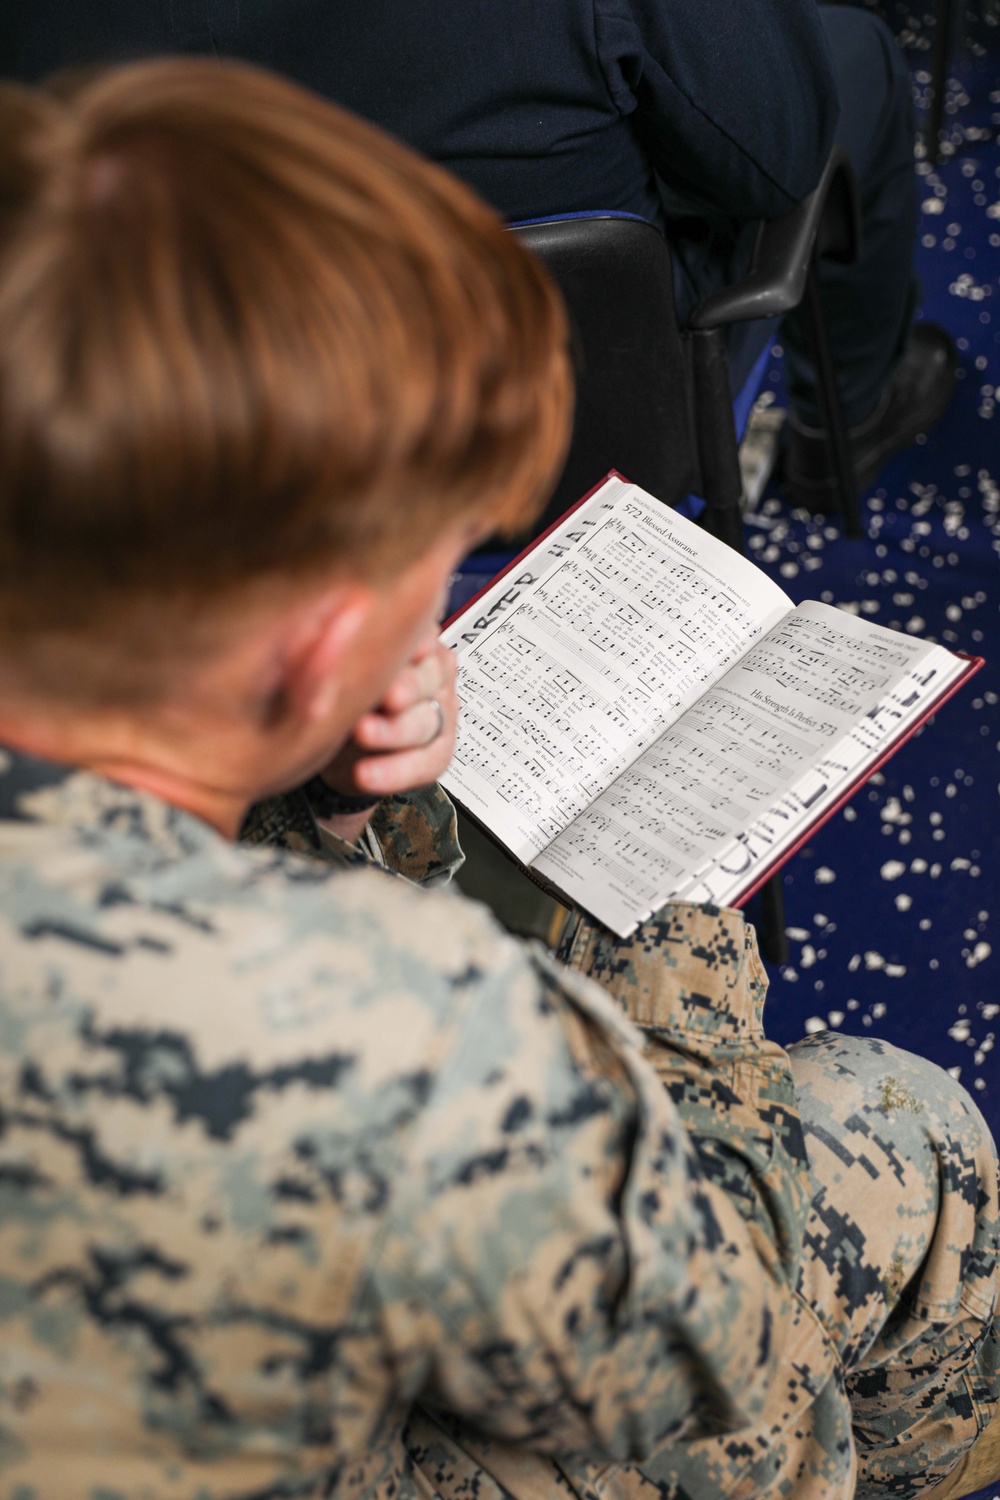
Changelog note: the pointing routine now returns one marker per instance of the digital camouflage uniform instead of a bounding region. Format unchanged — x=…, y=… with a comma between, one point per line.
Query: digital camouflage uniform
x=314, y=1182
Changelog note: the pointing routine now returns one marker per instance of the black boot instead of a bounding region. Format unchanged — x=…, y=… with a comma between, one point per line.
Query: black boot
x=917, y=396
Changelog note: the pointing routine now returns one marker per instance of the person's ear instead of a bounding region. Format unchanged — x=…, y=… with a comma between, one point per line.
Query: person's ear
x=316, y=654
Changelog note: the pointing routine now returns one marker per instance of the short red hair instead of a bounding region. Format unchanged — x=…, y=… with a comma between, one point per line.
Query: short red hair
x=243, y=333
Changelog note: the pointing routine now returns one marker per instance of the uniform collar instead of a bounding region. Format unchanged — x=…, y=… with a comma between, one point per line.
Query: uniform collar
x=21, y=776
x=35, y=790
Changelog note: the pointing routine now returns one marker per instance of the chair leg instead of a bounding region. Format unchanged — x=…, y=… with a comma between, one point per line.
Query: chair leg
x=773, y=939
x=947, y=12
x=715, y=434
x=837, y=441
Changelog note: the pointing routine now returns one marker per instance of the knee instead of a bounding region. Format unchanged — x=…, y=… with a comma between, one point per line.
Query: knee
x=890, y=53
x=879, y=1075
x=894, y=1142
x=863, y=46
x=876, y=98
x=875, y=1090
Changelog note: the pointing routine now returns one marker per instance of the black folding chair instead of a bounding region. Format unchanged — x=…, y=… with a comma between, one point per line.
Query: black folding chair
x=653, y=400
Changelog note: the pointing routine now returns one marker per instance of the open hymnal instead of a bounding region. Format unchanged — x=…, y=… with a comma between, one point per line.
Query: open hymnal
x=645, y=716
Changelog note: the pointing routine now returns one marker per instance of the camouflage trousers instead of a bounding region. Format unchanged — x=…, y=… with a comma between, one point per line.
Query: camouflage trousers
x=899, y=1263
x=898, y=1154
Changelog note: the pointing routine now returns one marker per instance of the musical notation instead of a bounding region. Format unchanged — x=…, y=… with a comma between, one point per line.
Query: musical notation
x=586, y=664
x=825, y=664
x=742, y=771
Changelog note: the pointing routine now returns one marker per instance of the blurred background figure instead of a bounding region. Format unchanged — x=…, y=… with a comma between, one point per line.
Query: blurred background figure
x=700, y=116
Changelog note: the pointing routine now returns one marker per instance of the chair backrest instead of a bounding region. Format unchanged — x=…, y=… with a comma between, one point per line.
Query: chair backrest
x=632, y=407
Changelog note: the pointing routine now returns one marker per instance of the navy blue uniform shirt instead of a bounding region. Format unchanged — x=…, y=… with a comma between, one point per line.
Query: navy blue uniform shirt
x=545, y=106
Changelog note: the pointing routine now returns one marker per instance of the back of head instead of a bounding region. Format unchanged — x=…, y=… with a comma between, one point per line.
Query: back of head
x=243, y=336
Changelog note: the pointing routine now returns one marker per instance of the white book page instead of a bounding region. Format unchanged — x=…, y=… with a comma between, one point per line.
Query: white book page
x=576, y=661
x=738, y=867
x=760, y=735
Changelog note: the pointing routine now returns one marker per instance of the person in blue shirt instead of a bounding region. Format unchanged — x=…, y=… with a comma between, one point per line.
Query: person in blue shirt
x=700, y=115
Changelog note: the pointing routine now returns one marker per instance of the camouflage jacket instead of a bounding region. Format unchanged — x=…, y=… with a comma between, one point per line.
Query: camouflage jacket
x=289, y=1144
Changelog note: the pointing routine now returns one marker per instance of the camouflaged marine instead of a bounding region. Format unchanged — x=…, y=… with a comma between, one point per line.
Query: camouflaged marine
x=313, y=1182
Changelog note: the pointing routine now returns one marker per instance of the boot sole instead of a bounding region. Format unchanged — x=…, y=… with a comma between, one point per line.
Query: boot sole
x=822, y=494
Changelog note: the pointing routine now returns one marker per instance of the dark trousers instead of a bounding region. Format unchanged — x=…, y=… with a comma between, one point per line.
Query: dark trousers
x=869, y=306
